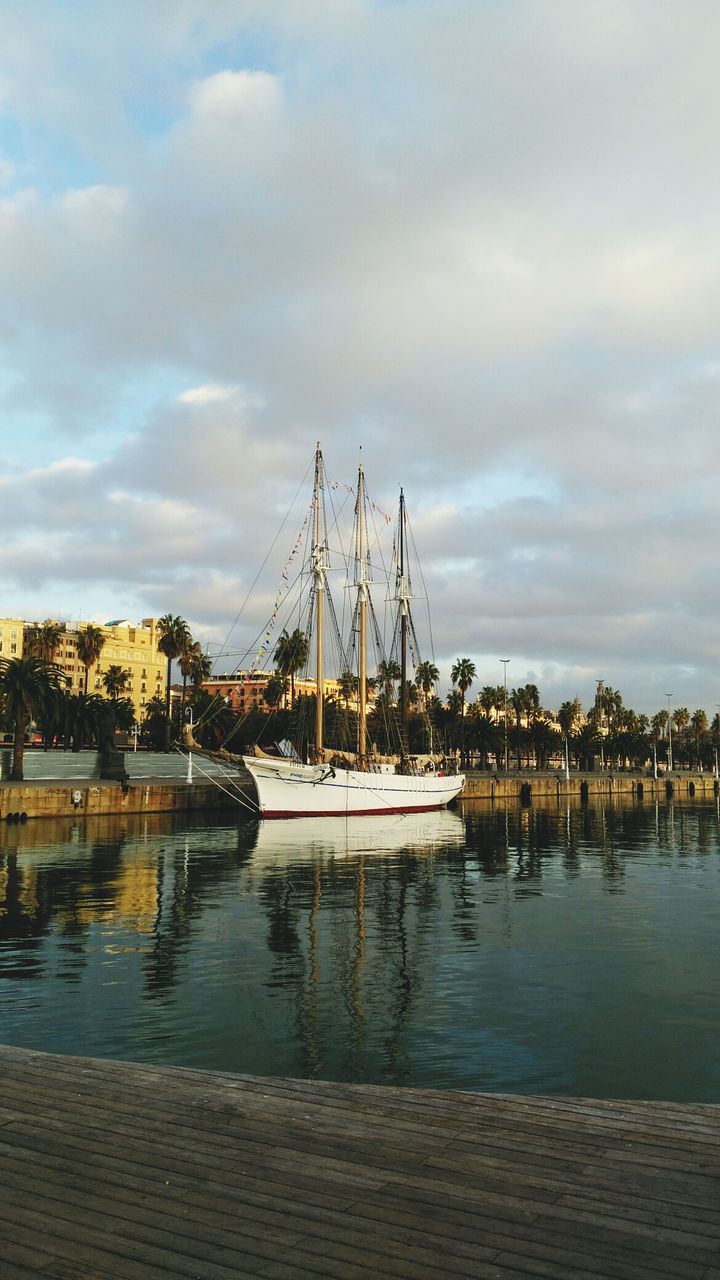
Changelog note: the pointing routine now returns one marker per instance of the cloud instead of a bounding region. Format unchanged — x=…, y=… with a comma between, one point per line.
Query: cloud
x=477, y=240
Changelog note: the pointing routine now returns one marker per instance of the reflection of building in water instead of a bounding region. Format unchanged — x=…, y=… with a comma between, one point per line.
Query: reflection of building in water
x=35, y=895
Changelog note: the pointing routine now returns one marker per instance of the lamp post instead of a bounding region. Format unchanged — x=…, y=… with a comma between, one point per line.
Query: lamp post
x=670, y=759
x=190, y=762
x=505, y=666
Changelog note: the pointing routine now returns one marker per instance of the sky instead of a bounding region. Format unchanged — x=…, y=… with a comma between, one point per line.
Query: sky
x=477, y=239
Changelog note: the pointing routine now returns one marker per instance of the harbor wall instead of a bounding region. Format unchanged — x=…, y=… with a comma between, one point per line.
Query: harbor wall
x=527, y=786
x=47, y=799
x=78, y=799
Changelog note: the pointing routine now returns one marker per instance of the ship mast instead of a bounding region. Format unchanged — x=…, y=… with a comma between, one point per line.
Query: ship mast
x=319, y=569
x=403, y=599
x=362, y=624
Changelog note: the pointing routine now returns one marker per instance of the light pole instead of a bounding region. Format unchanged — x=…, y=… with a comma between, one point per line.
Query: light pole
x=190, y=767
x=505, y=666
x=670, y=759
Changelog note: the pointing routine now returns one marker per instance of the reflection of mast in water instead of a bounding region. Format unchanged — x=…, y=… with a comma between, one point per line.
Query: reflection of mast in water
x=398, y=1072
x=357, y=1016
x=308, y=1028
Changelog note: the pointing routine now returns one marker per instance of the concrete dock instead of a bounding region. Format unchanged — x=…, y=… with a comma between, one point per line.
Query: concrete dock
x=138, y=1172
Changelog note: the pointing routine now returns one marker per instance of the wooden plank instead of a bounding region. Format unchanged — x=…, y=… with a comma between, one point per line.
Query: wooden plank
x=137, y=1172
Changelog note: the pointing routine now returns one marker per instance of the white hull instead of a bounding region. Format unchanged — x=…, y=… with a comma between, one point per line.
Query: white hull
x=306, y=838
x=287, y=789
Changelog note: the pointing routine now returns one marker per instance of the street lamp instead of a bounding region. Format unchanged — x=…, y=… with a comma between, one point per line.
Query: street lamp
x=505, y=665
x=670, y=759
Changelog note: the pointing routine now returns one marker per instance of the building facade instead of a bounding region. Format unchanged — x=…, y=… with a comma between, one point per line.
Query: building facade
x=245, y=690
x=11, y=637
x=127, y=645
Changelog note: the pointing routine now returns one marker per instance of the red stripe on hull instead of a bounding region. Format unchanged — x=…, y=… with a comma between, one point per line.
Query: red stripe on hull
x=346, y=813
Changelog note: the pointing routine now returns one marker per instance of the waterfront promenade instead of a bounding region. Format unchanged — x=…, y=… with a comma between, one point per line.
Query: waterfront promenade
x=112, y=1170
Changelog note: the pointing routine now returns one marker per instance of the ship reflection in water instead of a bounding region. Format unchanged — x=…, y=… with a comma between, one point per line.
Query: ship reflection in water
x=555, y=950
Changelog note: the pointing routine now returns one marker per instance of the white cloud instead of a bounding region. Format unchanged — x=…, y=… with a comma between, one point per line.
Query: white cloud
x=207, y=395
x=235, y=96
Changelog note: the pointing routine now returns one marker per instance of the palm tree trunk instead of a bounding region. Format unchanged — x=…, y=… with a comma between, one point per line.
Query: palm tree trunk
x=16, y=774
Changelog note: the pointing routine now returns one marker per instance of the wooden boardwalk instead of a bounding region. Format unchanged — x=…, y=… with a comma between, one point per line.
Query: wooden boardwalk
x=118, y=1170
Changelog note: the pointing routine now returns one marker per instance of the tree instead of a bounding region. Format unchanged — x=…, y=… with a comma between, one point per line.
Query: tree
x=174, y=636
x=27, y=686
x=680, y=722
x=462, y=674
x=82, y=715
x=275, y=689
x=201, y=669
x=699, y=723
x=658, y=725
x=568, y=716
x=41, y=640
x=388, y=673
x=426, y=677
x=115, y=681
x=154, y=726
x=525, y=702
x=187, y=662
x=545, y=740
x=90, y=642
x=291, y=654
x=347, y=686
x=492, y=698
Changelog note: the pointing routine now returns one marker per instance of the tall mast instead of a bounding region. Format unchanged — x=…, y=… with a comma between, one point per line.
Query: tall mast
x=319, y=567
x=403, y=604
x=362, y=620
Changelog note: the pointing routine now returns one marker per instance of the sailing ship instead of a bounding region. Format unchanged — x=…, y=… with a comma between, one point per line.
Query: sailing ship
x=331, y=783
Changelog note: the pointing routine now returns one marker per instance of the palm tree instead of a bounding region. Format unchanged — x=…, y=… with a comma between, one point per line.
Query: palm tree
x=90, y=643
x=492, y=698
x=426, y=677
x=387, y=673
x=525, y=701
x=658, y=724
x=291, y=655
x=680, y=722
x=27, y=686
x=115, y=681
x=41, y=640
x=174, y=636
x=347, y=686
x=275, y=689
x=187, y=663
x=699, y=722
x=454, y=702
x=568, y=716
x=462, y=674
x=201, y=669
x=82, y=717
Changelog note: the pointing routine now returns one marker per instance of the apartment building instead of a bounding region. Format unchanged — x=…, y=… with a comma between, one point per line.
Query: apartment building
x=127, y=645
x=11, y=637
x=245, y=690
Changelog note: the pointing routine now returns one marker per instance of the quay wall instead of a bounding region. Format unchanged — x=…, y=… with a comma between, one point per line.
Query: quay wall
x=524, y=787
x=101, y=799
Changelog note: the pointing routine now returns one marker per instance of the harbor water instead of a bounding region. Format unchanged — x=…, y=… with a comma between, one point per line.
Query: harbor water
x=569, y=951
